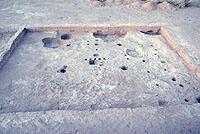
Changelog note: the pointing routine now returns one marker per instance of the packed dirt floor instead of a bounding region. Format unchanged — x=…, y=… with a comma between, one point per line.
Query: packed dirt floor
x=99, y=66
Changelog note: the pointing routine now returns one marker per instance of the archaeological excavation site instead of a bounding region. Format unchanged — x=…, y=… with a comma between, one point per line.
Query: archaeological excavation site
x=100, y=67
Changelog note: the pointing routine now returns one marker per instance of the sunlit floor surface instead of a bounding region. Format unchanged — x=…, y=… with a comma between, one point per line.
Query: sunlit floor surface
x=90, y=71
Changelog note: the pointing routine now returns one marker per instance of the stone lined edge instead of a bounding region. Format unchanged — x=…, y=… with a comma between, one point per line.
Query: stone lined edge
x=171, y=41
x=92, y=28
x=11, y=45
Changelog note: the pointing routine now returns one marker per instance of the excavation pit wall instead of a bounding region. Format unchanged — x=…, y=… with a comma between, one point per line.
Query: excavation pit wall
x=91, y=68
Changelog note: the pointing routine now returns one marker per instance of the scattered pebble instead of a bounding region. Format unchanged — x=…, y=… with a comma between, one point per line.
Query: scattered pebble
x=148, y=6
x=134, y=5
x=143, y=4
x=165, y=6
